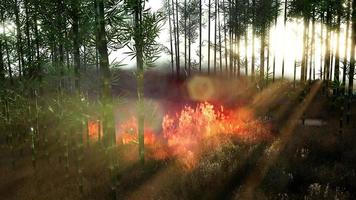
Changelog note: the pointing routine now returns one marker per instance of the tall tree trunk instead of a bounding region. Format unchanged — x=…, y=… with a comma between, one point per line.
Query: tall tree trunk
x=85, y=56
x=268, y=57
x=337, y=54
x=97, y=61
x=176, y=44
x=305, y=51
x=189, y=45
x=253, y=41
x=2, y=63
x=105, y=76
x=170, y=35
x=185, y=35
x=331, y=64
x=66, y=49
x=200, y=34
x=209, y=22
x=18, y=38
x=262, y=57
x=231, y=54
x=38, y=71
x=238, y=57
x=312, y=52
x=76, y=42
x=285, y=25
x=328, y=51
x=235, y=36
x=246, y=40
x=231, y=68
x=321, y=51
x=7, y=51
x=101, y=45
x=140, y=78
x=9, y=69
x=220, y=41
x=353, y=44
x=253, y=53
x=274, y=53
x=295, y=73
x=225, y=40
x=178, y=56
x=345, y=61
x=246, y=54
x=28, y=39
x=215, y=34
x=61, y=29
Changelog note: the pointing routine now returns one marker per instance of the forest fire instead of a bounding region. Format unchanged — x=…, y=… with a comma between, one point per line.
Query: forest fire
x=128, y=133
x=94, y=129
x=194, y=130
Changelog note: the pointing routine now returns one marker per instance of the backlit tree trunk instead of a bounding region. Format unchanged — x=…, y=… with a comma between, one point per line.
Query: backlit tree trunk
x=262, y=57
x=178, y=56
x=353, y=44
x=176, y=44
x=28, y=40
x=328, y=51
x=185, y=35
x=7, y=51
x=105, y=76
x=215, y=34
x=285, y=25
x=253, y=42
x=18, y=38
x=305, y=51
x=76, y=42
x=345, y=60
x=337, y=54
x=209, y=22
x=225, y=40
x=2, y=63
x=38, y=69
x=312, y=54
x=138, y=38
x=200, y=34
x=170, y=35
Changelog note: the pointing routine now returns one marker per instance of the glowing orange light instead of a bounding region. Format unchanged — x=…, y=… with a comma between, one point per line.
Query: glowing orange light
x=128, y=133
x=192, y=131
x=94, y=130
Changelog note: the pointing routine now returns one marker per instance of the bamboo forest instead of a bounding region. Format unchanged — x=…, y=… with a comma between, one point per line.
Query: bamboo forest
x=177, y=99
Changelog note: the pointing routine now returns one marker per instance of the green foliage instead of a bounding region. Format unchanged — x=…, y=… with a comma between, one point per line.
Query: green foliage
x=265, y=13
x=318, y=9
x=240, y=13
x=190, y=13
x=302, y=8
x=145, y=34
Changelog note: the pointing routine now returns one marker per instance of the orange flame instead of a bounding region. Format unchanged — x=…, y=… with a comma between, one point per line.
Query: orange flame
x=94, y=131
x=129, y=133
x=193, y=131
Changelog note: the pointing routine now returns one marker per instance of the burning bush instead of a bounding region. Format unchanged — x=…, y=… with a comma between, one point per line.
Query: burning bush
x=193, y=131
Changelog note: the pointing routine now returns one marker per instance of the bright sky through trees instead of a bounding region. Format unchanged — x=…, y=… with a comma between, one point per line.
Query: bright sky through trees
x=287, y=42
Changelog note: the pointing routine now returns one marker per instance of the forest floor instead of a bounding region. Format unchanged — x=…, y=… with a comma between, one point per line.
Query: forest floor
x=302, y=162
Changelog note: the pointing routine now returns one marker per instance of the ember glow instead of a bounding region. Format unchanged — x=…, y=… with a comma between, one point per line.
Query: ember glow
x=128, y=133
x=187, y=134
x=94, y=129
